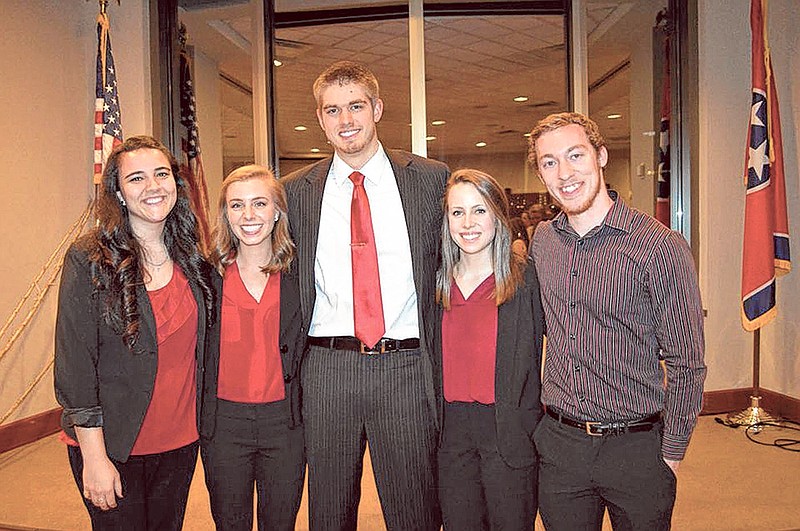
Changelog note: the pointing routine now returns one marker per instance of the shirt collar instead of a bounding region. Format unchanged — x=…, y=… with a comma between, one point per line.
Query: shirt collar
x=619, y=217
x=373, y=170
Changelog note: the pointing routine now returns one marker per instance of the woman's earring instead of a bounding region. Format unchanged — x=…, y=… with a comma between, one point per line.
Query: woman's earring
x=121, y=199
x=277, y=216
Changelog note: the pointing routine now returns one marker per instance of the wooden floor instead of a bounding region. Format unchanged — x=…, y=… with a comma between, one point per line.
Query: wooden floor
x=726, y=483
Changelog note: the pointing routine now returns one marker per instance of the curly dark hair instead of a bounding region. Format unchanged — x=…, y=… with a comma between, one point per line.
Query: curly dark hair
x=116, y=255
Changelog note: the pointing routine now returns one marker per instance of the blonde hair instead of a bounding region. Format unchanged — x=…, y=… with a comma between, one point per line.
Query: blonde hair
x=226, y=244
x=508, y=268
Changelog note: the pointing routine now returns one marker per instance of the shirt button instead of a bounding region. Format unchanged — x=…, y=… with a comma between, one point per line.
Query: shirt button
x=577, y=368
x=572, y=304
x=574, y=272
x=581, y=398
x=572, y=336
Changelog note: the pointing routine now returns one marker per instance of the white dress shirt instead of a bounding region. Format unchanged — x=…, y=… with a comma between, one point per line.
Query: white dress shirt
x=333, y=277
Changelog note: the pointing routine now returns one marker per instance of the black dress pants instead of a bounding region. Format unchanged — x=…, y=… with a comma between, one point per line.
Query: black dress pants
x=351, y=398
x=581, y=475
x=155, y=488
x=477, y=489
x=254, y=449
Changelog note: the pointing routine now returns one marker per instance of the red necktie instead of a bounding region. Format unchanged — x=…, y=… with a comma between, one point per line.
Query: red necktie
x=367, y=303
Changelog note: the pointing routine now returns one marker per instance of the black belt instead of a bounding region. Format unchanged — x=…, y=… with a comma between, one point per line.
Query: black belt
x=355, y=344
x=616, y=427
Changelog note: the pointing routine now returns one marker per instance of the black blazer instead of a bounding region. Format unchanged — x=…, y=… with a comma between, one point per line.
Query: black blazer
x=421, y=184
x=517, y=378
x=292, y=343
x=98, y=381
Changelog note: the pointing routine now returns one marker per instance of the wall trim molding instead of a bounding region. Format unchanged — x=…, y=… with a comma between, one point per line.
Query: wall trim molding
x=29, y=429
x=33, y=428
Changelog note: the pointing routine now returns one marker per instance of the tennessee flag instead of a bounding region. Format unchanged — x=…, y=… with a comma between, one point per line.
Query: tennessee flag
x=766, y=229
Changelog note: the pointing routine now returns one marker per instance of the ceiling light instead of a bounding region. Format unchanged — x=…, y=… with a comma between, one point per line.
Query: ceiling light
x=429, y=138
x=614, y=116
x=480, y=144
x=438, y=122
x=520, y=99
x=300, y=128
x=277, y=62
x=314, y=150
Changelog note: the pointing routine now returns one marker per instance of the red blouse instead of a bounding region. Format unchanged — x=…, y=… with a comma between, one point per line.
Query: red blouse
x=469, y=345
x=250, y=368
x=171, y=418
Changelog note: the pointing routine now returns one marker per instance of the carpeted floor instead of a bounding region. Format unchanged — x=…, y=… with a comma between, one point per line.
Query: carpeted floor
x=726, y=483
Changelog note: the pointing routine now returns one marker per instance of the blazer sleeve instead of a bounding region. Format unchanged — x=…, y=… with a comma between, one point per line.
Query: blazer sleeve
x=76, y=345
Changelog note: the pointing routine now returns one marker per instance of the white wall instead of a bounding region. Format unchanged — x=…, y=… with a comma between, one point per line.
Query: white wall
x=47, y=60
x=209, y=120
x=724, y=92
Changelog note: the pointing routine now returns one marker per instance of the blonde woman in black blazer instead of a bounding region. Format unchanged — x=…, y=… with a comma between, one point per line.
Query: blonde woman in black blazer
x=489, y=384
x=118, y=357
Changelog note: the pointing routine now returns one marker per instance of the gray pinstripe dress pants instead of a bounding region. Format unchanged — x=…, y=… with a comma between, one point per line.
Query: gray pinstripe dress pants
x=350, y=399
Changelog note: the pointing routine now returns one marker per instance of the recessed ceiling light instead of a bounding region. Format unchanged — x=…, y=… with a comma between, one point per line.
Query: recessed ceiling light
x=614, y=116
x=300, y=128
x=480, y=144
x=438, y=122
x=277, y=62
x=314, y=150
x=520, y=99
x=429, y=138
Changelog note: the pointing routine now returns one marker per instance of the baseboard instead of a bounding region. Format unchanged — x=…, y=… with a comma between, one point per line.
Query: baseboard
x=729, y=400
x=29, y=429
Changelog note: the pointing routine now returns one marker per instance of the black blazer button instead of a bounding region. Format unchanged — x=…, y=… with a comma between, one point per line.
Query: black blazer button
x=287, y=377
x=284, y=349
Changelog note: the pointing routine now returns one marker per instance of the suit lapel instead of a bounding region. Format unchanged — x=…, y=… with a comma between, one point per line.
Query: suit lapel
x=311, y=201
x=505, y=363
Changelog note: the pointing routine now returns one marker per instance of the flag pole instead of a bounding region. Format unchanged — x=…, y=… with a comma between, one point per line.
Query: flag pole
x=754, y=415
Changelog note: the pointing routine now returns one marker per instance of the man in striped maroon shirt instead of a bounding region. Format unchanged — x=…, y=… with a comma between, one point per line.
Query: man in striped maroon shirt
x=620, y=295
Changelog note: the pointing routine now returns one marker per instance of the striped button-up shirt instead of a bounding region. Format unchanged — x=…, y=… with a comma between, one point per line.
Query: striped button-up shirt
x=616, y=302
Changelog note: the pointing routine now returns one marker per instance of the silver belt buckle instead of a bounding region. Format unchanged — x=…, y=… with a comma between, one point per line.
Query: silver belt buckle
x=375, y=349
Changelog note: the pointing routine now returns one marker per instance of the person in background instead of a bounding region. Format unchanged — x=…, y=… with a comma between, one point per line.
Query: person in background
x=620, y=295
x=536, y=214
x=519, y=238
x=252, y=436
x=134, y=307
x=491, y=352
x=366, y=222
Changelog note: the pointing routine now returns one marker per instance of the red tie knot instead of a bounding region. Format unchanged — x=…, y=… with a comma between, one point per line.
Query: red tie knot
x=358, y=178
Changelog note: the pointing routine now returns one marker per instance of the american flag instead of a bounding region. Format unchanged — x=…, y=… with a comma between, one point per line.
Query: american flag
x=766, y=226
x=107, y=117
x=663, y=186
x=190, y=146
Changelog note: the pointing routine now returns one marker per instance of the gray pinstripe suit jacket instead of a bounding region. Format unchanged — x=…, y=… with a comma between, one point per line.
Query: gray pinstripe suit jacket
x=421, y=183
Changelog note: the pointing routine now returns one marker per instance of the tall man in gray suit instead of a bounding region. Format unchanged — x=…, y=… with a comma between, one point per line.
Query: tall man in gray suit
x=367, y=225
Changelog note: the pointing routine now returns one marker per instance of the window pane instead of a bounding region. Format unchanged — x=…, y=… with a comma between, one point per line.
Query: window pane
x=489, y=79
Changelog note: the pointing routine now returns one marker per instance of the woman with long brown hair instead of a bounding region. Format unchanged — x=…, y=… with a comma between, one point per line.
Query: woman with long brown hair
x=491, y=346
x=135, y=302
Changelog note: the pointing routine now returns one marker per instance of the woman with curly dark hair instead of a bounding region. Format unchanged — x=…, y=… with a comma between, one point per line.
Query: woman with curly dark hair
x=252, y=436
x=135, y=304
